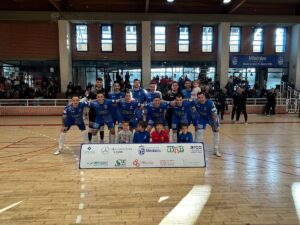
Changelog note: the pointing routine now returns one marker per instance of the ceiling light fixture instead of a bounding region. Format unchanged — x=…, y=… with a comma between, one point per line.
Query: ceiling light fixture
x=170, y=1
x=226, y=1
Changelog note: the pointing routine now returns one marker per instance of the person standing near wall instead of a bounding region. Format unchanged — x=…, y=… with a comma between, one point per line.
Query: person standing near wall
x=271, y=102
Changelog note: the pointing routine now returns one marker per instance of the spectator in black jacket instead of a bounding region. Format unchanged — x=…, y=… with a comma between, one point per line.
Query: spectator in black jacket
x=271, y=102
x=241, y=105
x=221, y=102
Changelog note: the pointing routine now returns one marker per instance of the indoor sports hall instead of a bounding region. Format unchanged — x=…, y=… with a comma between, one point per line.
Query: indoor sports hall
x=79, y=80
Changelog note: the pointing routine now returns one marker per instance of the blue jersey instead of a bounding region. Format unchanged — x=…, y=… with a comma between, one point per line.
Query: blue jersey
x=127, y=109
x=103, y=115
x=141, y=137
x=180, y=115
x=180, y=112
x=206, y=110
x=155, y=114
x=150, y=96
x=102, y=109
x=114, y=111
x=185, y=138
x=187, y=94
x=74, y=114
x=116, y=96
x=139, y=95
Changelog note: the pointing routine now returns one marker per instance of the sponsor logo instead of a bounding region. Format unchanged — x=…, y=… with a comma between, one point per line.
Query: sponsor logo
x=142, y=149
x=196, y=149
x=167, y=163
x=89, y=150
x=191, y=163
x=120, y=149
x=175, y=149
x=234, y=60
x=136, y=163
x=120, y=163
x=98, y=164
x=147, y=163
x=105, y=150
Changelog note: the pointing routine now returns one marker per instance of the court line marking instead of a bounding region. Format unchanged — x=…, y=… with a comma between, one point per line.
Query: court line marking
x=78, y=219
x=10, y=206
x=81, y=205
x=12, y=143
x=82, y=195
x=190, y=207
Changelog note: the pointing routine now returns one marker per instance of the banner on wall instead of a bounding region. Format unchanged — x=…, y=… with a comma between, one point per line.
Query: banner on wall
x=241, y=61
x=100, y=156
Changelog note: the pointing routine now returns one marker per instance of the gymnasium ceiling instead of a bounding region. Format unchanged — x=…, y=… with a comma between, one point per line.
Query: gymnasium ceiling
x=285, y=11
x=244, y=7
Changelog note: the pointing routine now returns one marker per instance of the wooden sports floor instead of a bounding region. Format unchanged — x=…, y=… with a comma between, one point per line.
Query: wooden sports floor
x=255, y=182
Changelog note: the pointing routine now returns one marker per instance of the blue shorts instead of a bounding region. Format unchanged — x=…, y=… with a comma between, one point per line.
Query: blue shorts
x=115, y=115
x=99, y=122
x=79, y=122
x=201, y=124
x=176, y=123
x=139, y=114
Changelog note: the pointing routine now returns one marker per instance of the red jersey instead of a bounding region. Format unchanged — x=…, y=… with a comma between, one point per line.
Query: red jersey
x=161, y=137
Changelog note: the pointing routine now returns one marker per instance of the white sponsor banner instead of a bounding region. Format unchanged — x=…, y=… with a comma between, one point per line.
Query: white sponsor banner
x=141, y=155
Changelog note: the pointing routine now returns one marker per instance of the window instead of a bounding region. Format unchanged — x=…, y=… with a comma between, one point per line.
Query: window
x=81, y=38
x=183, y=39
x=131, y=38
x=106, y=38
x=247, y=74
x=257, y=44
x=234, y=39
x=207, y=39
x=274, y=77
x=159, y=38
x=280, y=40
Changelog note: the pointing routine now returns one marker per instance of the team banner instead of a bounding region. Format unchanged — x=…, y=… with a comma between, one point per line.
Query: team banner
x=257, y=61
x=100, y=156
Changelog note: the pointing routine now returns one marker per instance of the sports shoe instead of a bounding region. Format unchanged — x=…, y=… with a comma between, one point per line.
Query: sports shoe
x=217, y=153
x=246, y=123
x=57, y=152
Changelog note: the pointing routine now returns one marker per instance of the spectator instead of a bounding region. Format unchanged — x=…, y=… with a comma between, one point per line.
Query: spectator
x=271, y=102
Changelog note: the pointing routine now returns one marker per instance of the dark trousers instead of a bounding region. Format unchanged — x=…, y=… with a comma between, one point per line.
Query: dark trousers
x=221, y=110
x=233, y=112
x=240, y=110
x=270, y=109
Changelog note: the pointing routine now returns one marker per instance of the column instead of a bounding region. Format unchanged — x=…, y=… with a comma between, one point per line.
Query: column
x=146, y=53
x=294, y=70
x=65, y=53
x=223, y=53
